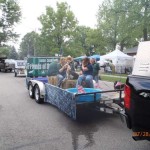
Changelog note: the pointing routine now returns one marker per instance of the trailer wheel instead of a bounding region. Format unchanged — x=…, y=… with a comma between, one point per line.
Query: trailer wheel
x=38, y=99
x=31, y=90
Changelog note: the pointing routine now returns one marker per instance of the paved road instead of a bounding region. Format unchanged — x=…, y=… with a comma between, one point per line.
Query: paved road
x=26, y=125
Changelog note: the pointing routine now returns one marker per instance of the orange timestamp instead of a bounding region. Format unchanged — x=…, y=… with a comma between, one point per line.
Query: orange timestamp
x=141, y=134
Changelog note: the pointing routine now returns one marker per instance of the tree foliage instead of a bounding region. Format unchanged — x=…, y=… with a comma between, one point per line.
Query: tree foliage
x=29, y=45
x=10, y=14
x=13, y=53
x=124, y=21
x=119, y=21
x=57, y=27
x=4, y=51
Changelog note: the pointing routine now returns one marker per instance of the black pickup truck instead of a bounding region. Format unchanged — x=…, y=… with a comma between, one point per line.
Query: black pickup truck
x=137, y=95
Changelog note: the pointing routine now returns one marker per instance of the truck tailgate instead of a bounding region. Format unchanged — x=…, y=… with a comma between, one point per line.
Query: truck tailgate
x=139, y=111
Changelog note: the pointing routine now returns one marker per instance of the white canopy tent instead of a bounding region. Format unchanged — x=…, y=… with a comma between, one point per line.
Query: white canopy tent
x=119, y=60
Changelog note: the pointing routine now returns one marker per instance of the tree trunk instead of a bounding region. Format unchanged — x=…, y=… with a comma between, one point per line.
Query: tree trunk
x=121, y=46
x=145, y=34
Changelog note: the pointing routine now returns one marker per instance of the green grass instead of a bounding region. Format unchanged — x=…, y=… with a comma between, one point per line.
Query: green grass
x=112, y=79
x=115, y=74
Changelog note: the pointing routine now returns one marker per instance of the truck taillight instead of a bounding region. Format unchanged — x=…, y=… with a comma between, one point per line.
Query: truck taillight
x=127, y=97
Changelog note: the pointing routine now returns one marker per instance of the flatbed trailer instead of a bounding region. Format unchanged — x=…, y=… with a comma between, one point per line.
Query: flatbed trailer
x=70, y=103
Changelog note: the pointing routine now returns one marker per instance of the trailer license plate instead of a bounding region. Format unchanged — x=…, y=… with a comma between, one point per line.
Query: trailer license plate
x=22, y=72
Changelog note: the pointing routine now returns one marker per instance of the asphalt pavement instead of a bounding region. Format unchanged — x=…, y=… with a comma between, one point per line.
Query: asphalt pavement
x=26, y=125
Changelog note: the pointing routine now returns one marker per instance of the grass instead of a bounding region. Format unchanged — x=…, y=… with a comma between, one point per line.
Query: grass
x=113, y=79
x=115, y=74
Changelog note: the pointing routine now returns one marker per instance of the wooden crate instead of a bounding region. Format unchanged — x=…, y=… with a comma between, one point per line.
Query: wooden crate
x=69, y=84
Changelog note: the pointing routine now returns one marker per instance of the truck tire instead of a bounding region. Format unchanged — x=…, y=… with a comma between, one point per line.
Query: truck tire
x=38, y=99
x=31, y=90
x=15, y=74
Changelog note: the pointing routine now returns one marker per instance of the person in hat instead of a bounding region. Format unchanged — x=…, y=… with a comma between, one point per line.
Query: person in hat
x=71, y=74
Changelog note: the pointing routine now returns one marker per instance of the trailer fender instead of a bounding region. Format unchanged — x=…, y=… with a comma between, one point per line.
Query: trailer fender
x=41, y=87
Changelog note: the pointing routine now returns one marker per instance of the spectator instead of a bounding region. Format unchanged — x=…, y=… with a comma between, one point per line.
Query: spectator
x=96, y=69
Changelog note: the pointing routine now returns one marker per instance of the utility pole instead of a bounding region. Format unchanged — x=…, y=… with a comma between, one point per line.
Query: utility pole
x=28, y=49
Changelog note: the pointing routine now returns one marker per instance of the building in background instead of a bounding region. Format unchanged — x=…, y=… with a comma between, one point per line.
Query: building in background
x=131, y=51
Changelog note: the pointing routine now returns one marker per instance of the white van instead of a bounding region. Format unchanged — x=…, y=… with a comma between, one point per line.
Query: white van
x=20, y=68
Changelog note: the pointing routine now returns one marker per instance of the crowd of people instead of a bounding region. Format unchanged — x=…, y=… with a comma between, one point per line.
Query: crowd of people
x=65, y=70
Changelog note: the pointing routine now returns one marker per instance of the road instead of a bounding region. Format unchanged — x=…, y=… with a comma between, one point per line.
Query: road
x=26, y=125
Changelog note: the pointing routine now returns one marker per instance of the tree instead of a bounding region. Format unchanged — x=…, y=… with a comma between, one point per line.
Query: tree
x=13, y=54
x=107, y=23
x=29, y=45
x=124, y=21
x=4, y=51
x=10, y=14
x=139, y=11
x=96, y=41
x=88, y=39
x=57, y=27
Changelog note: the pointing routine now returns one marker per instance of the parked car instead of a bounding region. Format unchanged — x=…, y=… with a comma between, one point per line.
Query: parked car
x=20, y=68
x=6, y=64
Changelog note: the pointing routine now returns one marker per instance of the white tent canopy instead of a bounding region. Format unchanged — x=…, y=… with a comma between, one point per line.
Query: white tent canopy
x=119, y=60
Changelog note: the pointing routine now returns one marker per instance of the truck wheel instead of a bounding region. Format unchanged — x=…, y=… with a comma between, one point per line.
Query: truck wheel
x=38, y=99
x=31, y=90
x=15, y=74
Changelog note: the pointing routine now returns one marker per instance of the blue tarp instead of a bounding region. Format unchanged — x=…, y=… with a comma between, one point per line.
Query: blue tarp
x=97, y=57
x=79, y=58
x=62, y=99
x=66, y=100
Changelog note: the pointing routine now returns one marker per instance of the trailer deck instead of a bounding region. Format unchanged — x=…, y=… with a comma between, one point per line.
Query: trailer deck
x=108, y=101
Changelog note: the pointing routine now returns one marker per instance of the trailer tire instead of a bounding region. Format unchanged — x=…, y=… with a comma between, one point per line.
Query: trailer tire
x=15, y=74
x=31, y=90
x=38, y=99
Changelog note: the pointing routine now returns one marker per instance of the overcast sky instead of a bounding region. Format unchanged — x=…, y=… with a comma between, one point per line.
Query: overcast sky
x=84, y=10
